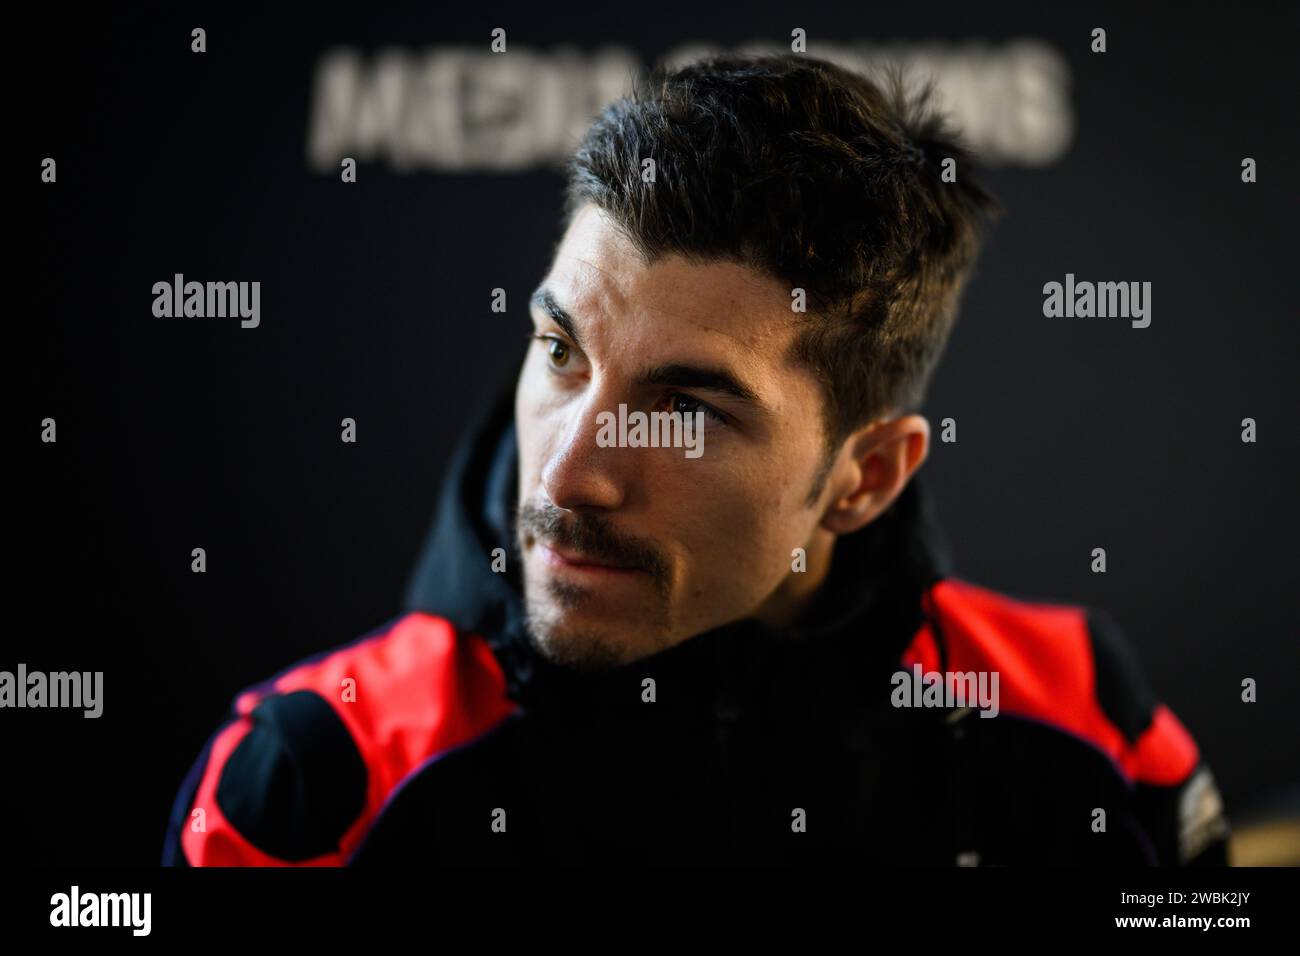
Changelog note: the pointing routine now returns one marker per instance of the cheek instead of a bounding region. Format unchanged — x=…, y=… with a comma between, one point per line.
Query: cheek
x=739, y=529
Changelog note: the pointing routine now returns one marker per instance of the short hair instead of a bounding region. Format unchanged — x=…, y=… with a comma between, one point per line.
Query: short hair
x=815, y=175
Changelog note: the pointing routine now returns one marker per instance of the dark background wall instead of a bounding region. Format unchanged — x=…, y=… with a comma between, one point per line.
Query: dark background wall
x=175, y=434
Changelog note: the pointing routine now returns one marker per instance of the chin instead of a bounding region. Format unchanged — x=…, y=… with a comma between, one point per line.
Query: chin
x=582, y=638
x=579, y=648
x=584, y=629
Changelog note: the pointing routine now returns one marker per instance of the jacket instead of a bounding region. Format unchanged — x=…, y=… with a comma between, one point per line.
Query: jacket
x=443, y=738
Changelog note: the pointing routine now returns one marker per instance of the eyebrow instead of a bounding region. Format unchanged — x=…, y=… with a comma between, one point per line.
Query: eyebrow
x=675, y=375
x=545, y=300
x=694, y=376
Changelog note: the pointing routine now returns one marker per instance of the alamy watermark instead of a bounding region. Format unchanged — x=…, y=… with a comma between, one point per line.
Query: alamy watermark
x=60, y=689
x=211, y=300
x=102, y=909
x=949, y=689
x=651, y=430
x=1084, y=300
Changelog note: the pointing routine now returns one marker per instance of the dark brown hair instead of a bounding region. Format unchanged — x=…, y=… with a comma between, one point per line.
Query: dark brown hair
x=815, y=175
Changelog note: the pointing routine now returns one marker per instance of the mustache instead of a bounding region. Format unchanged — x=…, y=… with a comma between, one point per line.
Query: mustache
x=593, y=535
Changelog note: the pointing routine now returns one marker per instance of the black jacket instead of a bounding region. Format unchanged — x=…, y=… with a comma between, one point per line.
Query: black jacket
x=456, y=743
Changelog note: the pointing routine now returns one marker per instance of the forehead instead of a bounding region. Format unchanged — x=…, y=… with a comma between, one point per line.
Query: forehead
x=719, y=307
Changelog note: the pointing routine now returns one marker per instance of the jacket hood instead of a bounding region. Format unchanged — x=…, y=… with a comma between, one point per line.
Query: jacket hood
x=869, y=607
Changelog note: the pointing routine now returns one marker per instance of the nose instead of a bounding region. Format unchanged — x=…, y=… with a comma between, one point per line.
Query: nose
x=578, y=472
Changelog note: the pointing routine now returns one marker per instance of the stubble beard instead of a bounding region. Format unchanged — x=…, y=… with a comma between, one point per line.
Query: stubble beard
x=580, y=648
x=585, y=648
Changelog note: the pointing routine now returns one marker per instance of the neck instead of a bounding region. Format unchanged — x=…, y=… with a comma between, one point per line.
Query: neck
x=795, y=595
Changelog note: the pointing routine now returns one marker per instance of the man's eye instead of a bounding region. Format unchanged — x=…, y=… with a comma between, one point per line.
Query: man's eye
x=687, y=405
x=556, y=350
x=559, y=352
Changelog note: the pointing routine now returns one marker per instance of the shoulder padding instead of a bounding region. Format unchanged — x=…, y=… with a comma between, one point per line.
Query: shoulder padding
x=1062, y=665
x=308, y=759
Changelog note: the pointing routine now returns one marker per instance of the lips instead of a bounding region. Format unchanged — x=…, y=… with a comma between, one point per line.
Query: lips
x=563, y=557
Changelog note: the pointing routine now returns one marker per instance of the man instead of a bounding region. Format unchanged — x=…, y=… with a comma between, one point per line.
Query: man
x=757, y=653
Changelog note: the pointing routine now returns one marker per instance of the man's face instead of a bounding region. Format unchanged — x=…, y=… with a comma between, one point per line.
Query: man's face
x=629, y=550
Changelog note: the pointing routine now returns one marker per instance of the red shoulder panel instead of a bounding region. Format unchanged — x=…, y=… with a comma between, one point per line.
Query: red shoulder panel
x=1044, y=658
x=417, y=690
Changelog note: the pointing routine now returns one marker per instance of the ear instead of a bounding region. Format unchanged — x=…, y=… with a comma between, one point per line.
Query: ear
x=874, y=467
